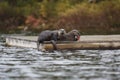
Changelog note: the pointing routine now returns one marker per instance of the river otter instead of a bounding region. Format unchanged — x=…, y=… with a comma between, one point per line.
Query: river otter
x=73, y=35
x=48, y=35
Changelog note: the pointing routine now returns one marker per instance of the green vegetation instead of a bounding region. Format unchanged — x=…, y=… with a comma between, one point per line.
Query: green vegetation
x=100, y=17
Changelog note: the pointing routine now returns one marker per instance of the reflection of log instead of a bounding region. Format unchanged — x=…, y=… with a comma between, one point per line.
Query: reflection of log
x=86, y=42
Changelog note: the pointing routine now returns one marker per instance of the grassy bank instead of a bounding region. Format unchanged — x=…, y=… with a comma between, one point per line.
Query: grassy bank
x=100, y=18
x=89, y=18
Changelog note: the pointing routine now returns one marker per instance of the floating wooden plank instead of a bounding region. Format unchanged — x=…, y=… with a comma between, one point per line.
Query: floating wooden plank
x=86, y=42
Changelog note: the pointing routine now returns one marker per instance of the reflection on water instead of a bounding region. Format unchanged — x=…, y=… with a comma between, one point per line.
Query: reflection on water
x=30, y=64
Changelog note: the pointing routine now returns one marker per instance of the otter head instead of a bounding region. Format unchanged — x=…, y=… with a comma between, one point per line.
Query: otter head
x=76, y=34
x=61, y=32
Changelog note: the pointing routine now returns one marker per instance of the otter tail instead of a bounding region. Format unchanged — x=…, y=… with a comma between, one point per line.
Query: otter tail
x=54, y=45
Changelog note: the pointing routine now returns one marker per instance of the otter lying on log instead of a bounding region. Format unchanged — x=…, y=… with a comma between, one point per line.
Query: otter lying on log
x=48, y=35
x=56, y=35
x=73, y=35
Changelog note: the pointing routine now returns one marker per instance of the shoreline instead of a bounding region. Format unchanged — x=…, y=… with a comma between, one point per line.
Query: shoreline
x=83, y=31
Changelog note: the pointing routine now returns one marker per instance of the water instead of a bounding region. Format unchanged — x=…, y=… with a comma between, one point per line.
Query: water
x=30, y=64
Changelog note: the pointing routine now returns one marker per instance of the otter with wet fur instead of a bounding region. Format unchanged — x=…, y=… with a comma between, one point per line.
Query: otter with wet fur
x=49, y=36
x=73, y=35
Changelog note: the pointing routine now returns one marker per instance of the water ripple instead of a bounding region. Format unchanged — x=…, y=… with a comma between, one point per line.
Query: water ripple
x=26, y=64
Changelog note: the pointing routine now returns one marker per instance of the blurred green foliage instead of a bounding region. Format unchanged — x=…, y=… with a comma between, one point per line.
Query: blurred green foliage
x=68, y=14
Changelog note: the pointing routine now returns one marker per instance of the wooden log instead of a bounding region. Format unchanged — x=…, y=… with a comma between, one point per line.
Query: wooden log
x=86, y=42
x=85, y=45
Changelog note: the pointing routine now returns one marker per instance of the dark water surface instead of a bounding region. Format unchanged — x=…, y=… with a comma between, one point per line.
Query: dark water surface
x=30, y=64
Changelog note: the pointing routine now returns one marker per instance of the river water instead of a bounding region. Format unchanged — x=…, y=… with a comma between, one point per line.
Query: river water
x=29, y=64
